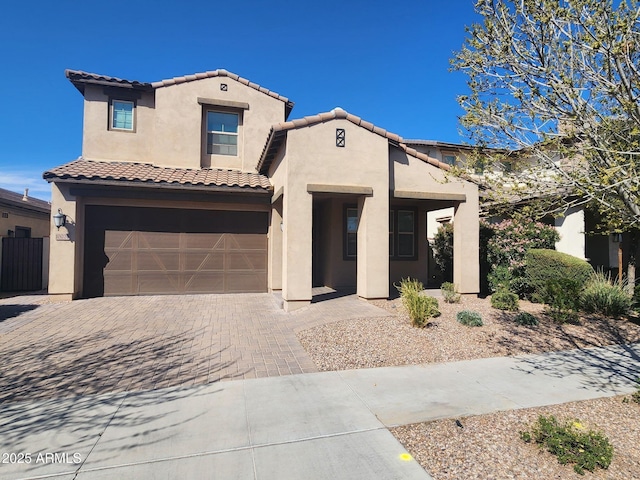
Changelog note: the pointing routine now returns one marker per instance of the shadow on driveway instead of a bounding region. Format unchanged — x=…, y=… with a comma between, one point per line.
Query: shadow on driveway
x=11, y=311
x=95, y=363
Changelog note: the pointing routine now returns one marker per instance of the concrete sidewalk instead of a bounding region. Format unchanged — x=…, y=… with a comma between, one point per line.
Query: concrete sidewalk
x=329, y=425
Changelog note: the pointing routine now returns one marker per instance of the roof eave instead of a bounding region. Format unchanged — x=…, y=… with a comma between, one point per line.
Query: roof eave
x=159, y=185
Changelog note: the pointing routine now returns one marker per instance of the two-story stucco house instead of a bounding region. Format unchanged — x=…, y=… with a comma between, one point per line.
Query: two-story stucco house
x=202, y=184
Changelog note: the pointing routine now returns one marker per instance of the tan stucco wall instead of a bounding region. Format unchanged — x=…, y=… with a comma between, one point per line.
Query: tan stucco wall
x=466, y=245
x=169, y=128
x=37, y=222
x=313, y=158
x=571, y=228
x=65, y=261
x=100, y=143
x=412, y=174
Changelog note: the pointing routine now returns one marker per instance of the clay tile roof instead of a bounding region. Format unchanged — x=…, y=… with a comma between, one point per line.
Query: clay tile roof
x=7, y=197
x=80, y=78
x=147, y=174
x=424, y=157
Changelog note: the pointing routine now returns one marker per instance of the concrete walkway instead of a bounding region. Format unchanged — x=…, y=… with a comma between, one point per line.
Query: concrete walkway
x=329, y=425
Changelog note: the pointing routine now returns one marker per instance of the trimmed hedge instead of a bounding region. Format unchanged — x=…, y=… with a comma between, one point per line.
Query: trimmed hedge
x=544, y=266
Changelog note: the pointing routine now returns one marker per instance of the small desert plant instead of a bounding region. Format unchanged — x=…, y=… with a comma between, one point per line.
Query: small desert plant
x=409, y=285
x=449, y=293
x=525, y=318
x=505, y=300
x=469, y=318
x=635, y=396
x=571, y=443
x=420, y=307
x=602, y=295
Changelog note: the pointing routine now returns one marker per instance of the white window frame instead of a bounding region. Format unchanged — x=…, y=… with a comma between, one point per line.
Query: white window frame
x=235, y=134
x=112, y=116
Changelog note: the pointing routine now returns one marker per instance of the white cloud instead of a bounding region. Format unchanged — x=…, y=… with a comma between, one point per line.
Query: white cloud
x=18, y=180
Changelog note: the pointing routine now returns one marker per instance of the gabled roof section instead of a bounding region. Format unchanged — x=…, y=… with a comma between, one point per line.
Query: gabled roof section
x=279, y=132
x=145, y=174
x=80, y=79
x=20, y=200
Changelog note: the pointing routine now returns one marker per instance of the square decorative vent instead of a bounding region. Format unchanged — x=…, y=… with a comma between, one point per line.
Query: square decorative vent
x=223, y=87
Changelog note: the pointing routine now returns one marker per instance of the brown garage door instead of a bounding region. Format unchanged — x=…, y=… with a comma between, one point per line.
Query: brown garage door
x=148, y=251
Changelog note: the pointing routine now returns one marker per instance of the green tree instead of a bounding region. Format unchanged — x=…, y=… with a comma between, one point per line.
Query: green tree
x=555, y=95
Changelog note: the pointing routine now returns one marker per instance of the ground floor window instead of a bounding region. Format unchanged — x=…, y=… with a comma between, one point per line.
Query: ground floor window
x=350, y=232
x=403, y=226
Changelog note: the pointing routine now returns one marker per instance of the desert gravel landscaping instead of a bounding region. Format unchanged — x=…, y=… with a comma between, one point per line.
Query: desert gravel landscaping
x=488, y=446
x=392, y=341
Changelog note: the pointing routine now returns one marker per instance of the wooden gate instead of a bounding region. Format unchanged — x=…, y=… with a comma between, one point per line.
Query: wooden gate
x=21, y=264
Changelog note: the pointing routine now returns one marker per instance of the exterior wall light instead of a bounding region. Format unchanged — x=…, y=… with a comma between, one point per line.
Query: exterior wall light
x=59, y=219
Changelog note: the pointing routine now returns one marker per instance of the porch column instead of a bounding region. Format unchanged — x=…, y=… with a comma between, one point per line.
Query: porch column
x=466, y=242
x=65, y=252
x=296, y=246
x=571, y=228
x=275, y=247
x=373, y=245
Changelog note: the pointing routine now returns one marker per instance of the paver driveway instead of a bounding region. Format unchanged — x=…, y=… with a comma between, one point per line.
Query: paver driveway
x=139, y=343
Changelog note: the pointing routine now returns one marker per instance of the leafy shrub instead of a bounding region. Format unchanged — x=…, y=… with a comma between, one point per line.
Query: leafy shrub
x=563, y=296
x=602, y=295
x=443, y=250
x=525, y=318
x=543, y=265
x=500, y=278
x=571, y=443
x=449, y=293
x=420, y=307
x=505, y=300
x=469, y=318
x=501, y=244
x=508, y=245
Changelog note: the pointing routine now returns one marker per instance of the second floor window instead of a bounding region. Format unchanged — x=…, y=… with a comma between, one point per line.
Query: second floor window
x=449, y=159
x=121, y=115
x=222, y=133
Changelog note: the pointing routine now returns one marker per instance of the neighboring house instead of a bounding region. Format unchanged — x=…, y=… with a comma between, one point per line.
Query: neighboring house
x=574, y=223
x=201, y=184
x=23, y=217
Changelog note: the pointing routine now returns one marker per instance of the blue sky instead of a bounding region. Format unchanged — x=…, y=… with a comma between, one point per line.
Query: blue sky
x=387, y=62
